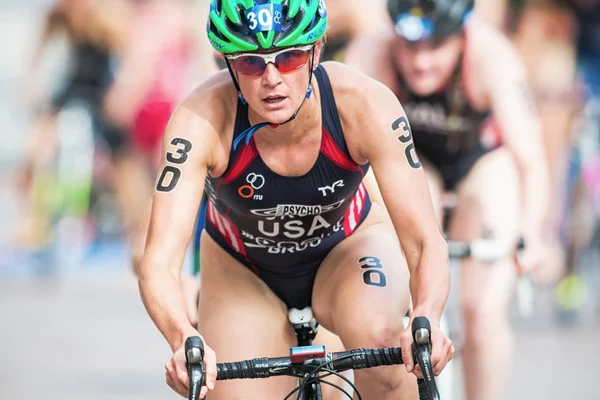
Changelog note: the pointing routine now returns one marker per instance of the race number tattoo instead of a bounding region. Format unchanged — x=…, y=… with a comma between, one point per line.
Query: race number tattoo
x=171, y=174
x=402, y=122
x=406, y=137
x=373, y=276
x=181, y=152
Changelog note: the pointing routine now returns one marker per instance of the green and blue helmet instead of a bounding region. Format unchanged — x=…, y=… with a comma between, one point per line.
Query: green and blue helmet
x=255, y=25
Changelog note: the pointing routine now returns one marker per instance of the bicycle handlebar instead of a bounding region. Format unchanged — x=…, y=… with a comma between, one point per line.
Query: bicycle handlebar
x=339, y=361
x=483, y=249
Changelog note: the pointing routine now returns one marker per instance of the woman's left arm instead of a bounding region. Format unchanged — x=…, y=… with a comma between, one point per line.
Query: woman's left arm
x=382, y=135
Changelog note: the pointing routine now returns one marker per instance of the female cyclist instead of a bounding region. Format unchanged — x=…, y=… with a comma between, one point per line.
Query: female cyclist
x=281, y=146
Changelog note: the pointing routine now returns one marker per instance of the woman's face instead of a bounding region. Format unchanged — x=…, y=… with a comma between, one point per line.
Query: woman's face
x=427, y=66
x=275, y=93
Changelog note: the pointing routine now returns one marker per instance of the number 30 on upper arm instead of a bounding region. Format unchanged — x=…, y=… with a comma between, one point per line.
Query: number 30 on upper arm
x=170, y=174
x=406, y=137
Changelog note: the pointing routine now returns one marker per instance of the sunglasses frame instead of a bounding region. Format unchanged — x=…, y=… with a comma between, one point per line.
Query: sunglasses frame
x=269, y=57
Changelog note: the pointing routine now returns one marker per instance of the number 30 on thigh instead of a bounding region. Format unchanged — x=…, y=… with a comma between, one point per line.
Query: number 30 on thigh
x=373, y=274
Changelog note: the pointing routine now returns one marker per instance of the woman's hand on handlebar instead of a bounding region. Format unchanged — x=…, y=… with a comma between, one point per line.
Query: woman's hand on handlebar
x=176, y=370
x=442, y=349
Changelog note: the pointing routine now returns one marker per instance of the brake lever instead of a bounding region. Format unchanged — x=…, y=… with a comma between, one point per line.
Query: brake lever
x=421, y=331
x=194, y=357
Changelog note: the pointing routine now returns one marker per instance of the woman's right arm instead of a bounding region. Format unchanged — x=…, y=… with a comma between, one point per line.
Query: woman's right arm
x=188, y=148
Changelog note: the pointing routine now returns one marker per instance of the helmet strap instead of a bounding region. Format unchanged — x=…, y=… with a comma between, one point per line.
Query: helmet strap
x=235, y=83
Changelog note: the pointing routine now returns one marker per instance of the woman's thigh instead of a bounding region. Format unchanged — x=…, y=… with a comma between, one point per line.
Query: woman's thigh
x=365, y=276
x=240, y=318
x=361, y=293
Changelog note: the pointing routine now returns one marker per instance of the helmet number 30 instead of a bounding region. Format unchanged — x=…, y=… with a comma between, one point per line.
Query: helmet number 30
x=265, y=17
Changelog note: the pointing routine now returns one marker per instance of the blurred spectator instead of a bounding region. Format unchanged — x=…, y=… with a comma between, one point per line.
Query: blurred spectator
x=163, y=57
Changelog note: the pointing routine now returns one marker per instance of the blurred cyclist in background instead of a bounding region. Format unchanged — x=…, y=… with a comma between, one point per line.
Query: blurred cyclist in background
x=93, y=35
x=544, y=37
x=560, y=43
x=464, y=90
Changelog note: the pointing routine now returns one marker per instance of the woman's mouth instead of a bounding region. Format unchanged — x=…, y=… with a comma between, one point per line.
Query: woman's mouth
x=274, y=99
x=274, y=102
